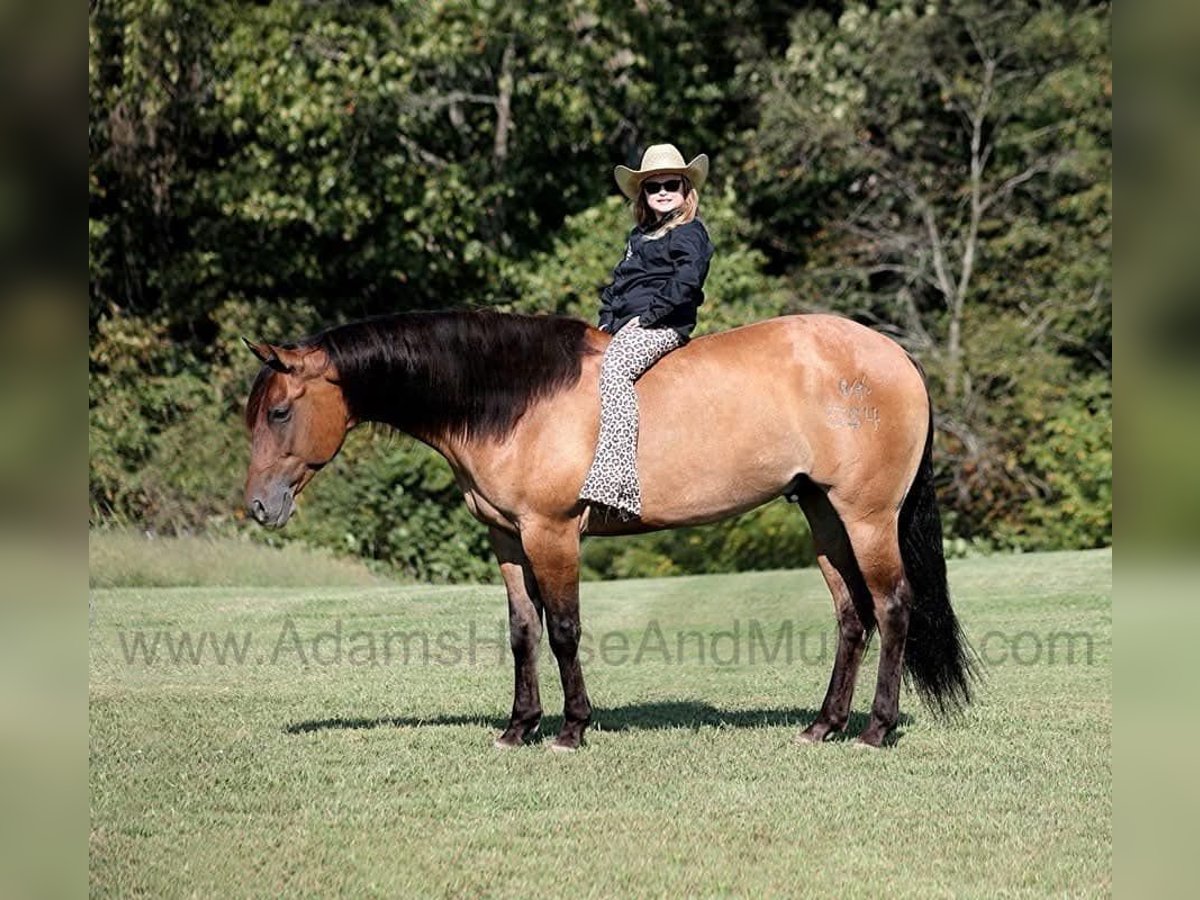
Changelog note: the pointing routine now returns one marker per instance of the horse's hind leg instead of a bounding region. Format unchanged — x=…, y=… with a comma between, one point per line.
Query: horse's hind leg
x=851, y=603
x=525, y=633
x=877, y=550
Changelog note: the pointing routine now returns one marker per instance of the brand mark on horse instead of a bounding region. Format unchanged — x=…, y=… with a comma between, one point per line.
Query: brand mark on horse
x=840, y=415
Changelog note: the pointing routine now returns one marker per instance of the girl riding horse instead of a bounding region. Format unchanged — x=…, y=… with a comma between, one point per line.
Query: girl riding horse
x=650, y=307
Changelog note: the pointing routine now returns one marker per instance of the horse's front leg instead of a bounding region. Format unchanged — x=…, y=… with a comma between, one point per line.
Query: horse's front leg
x=525, y=633
x=553, y=553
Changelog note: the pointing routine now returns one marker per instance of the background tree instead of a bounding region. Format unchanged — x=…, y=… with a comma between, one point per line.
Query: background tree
x=941, y=172
x=955, y=161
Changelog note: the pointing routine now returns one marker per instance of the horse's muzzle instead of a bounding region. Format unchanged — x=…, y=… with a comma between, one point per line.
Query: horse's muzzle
x=271, y=508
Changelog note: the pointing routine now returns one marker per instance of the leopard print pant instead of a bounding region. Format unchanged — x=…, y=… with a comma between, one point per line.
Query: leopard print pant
x=613, y=478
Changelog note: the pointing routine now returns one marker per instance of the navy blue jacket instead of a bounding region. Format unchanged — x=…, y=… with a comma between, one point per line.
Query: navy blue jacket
x=661, y=281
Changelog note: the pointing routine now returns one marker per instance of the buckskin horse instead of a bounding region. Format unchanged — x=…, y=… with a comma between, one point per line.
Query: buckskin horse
x=816, y=408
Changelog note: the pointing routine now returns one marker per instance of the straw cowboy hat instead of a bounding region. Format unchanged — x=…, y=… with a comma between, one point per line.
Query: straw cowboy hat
x=661, y=159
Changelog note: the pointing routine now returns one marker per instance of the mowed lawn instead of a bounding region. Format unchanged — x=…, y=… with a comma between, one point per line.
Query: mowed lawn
x=349, y=751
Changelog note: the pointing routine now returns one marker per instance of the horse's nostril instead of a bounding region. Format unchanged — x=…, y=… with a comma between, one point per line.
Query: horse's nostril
x=258, y=511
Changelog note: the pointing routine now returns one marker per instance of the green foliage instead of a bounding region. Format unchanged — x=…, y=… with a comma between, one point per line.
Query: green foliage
x=268, y=169
x=1070, y=455
x=391, y=499
x=775, y=536
x=566, y=279
x=943, y=172
x=143, y=388
x=169, y=453
x=168, y=448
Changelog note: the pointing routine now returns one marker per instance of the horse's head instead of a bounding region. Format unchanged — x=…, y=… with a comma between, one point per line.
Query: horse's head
x=298, y=419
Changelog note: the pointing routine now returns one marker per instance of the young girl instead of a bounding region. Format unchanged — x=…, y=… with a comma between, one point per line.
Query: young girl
x=650, y=308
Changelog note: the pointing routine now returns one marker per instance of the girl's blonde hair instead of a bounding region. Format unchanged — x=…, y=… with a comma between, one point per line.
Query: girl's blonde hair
x=643, y=215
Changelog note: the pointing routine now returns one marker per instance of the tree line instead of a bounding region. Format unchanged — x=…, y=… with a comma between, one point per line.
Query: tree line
x=940, y=171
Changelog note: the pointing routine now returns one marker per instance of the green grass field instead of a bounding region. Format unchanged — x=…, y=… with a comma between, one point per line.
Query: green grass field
x=325, y=762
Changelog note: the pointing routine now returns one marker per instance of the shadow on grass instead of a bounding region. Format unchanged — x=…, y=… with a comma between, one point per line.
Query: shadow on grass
x=665, y=715
x=389, y=722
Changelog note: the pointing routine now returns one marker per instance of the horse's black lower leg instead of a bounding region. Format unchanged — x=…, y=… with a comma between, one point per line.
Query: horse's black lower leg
x=879, y=557
x=892, y=616
x=525, y=633
x=577, y=708
x=835, y=710
x=876, y=549
x=851, y=603
x=554, y=556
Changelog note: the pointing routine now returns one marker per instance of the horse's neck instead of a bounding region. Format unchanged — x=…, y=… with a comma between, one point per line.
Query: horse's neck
x=389, y=411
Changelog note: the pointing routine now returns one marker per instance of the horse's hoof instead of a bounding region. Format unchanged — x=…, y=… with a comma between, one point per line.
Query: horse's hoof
x=868, y=744
x=816, y=734
x=819, y=732
x=557, y=746
x=516, y=736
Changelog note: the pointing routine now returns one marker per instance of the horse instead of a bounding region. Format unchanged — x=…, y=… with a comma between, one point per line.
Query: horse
x=816, y=408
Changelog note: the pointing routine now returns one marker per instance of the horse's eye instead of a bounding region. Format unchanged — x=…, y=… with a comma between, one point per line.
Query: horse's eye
x=278, y=414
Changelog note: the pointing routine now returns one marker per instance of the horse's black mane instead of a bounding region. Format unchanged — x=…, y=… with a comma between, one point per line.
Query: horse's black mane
x=468, y=373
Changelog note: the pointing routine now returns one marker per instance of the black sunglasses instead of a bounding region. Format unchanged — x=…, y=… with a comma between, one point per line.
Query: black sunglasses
x=671, y=186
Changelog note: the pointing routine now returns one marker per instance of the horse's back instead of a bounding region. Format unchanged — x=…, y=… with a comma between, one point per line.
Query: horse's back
x=803, y=364
x=806, y=339
x=758, y=405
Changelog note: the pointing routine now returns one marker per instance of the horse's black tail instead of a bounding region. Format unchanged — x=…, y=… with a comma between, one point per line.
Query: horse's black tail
x=938, y=661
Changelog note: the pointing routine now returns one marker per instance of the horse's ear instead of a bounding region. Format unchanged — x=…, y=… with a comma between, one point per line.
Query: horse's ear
x=267, y=355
